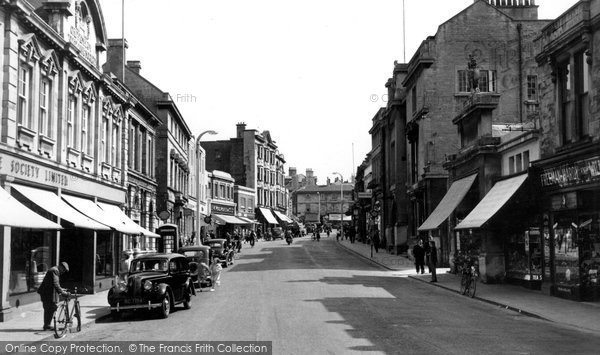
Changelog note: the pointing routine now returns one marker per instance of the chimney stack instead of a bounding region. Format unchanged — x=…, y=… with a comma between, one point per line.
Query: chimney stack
x=241, y=127
x=116, y=56
x=292, y=171
x=134, y=65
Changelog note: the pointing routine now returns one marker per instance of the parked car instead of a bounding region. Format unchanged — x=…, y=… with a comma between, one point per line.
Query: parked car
x=154, y=282
x=222, y=250
x=199, y=261
x=277, y=233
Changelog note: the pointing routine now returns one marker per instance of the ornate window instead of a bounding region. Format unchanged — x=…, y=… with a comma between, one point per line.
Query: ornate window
x=24, y=118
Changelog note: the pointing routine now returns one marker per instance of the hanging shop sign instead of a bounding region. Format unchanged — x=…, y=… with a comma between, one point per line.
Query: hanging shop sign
x=572, y=174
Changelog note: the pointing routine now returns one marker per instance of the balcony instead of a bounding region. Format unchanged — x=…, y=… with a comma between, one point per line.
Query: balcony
x=476, y=102
x=565, y=26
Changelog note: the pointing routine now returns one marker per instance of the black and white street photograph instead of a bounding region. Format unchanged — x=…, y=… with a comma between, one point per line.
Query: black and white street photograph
x=300, y=177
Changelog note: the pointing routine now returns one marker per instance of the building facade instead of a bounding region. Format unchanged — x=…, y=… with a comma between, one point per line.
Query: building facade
x=172, y=147
x=319, y=204
x=496, y=37
x=254, y=161
x=568, y=171
x=64, y=151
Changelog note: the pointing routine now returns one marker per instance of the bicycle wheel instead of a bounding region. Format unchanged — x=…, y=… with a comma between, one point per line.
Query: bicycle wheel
x=60, y=321
x=77, y=316
x=471, y=287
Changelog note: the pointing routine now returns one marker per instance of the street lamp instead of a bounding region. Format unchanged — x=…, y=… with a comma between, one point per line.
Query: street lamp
x=319, y=196
x=341, y=205
x=198, y=237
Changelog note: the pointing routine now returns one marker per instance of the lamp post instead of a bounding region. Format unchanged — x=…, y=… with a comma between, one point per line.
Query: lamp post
x=341, y=205
x=198, y=240
x=319, y=196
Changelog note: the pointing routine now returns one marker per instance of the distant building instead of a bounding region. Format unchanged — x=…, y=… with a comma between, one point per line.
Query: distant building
x=254, y=161
x=318, y=203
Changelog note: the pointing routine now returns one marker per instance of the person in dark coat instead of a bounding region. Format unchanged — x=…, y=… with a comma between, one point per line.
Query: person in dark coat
x=433, y=260
x=427, y=248
x=376, y=240
x=48, y=290
x=419, y=254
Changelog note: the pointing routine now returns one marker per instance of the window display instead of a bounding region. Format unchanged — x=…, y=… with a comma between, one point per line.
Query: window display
x=31, y=256
x=524, y=256
x=566, y=253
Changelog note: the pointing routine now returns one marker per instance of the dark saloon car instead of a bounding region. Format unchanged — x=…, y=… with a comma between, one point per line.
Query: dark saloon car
x=154, y=282
x=222, y=250
x=199, y=260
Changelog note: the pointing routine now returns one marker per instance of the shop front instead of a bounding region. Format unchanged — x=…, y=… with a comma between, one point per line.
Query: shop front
x=224, y=220
x=267, y=220
x=572, y=216
x=35, y=192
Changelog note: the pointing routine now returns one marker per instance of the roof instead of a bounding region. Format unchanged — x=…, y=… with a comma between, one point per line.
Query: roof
x=159, y=256
x=325, y=188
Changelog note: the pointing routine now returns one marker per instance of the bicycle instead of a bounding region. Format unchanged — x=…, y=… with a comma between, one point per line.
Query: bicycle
x=468, y=281
x=66, y=315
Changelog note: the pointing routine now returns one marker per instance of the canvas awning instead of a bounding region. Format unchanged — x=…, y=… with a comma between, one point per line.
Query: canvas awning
x=118, y=213
x=493, y=201
x=448, y=204
x=283, y=217
x=336, y=217
x=268, y=216
x=93, y=211
x=223, y=219
x=248, y=220
x=14, y=214
x=50, y=202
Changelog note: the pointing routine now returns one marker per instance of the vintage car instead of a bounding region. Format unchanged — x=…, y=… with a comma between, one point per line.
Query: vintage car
x=222, y=250
x=154, y=282
x=199, y=261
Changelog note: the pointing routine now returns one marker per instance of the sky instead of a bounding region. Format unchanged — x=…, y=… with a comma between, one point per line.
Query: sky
x=312, y=72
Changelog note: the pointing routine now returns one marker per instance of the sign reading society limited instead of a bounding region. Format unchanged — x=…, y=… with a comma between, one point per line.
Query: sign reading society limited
x=22, y=169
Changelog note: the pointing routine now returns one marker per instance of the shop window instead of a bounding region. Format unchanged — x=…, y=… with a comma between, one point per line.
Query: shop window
x=31, y=255
x=524, y=256
x=566, y=251
x=104, y=260
x=511, y=165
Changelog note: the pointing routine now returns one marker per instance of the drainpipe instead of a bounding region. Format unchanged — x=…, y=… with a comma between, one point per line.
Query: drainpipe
x=520, y=34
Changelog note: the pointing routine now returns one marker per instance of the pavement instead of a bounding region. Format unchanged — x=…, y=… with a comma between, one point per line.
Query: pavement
x=581, y=315
x=27, y=321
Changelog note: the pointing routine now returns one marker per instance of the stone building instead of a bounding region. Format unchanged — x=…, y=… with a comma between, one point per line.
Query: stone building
x=316, y=204
x=64, y=151
x=172, y=147
x=499, y=37
x=568, y=172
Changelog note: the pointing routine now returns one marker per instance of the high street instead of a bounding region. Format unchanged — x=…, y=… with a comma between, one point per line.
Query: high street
x=316, y=297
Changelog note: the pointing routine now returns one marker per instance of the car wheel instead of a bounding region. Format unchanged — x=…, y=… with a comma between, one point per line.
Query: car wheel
x=165, y=307
x=231, y=258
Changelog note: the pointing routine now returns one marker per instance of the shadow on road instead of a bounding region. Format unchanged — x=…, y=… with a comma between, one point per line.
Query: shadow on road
x=427, y=320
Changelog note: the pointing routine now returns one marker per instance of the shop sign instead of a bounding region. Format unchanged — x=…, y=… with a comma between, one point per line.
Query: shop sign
x=222, y=209
x=26, y=170
x=572, y=174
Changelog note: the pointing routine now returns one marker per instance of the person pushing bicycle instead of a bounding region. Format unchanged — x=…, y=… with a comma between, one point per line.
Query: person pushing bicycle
x=49, y=289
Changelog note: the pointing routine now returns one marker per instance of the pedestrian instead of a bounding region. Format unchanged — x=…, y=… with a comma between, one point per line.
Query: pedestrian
x=419, y=254
x=352, y=234
x=433, y=261
x=252, y=239
x=427, y=248
x=376, y=240
x=215, y=273
x=127, y=256
x=49, y=289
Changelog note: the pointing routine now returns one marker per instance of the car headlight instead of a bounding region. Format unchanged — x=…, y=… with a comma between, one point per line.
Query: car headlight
x=121, y=286
x=147, y=285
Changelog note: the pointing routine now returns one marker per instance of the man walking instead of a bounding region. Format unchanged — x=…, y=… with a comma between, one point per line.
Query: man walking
x=419, y=254
x=433, y=261
x=48, y=290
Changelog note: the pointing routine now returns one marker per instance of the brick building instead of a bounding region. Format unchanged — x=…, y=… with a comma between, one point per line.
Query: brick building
x=254, y=161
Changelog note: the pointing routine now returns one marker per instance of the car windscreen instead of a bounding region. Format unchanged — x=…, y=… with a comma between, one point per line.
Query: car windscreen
x=142, y=265
x=195, y=254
